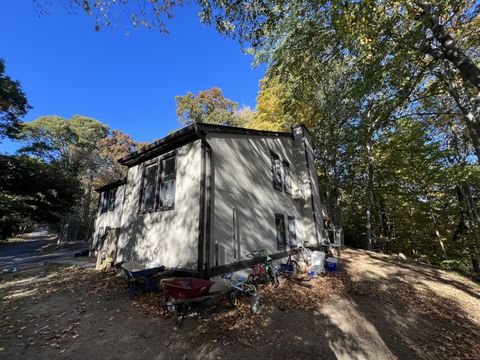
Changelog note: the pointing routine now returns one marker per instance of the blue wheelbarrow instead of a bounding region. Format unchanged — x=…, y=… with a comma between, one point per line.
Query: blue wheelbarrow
x=140, y=277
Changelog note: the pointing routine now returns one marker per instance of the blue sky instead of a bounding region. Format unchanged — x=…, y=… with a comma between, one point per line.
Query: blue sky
x=123, y=77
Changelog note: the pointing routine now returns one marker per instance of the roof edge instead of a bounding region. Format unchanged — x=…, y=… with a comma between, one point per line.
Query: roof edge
x=112, y=185
x=191, y=130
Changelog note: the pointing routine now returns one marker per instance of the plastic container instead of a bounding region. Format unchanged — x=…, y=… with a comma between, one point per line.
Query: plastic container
x=186, y=288
x=318, y=262
x=332, y=264
x=318, y=258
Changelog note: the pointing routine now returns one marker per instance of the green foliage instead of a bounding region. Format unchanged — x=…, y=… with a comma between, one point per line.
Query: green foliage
x=72, y=142
x=32, y=190
x=455, y=265
x=13, y=104
x=208, y=106
x=84, y=149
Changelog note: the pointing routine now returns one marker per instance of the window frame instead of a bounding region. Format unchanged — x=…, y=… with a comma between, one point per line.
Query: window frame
x=101, y=205
x=112, y=198
x=284, y=245
x=158, y=162
x=287, y=172
x=160, y=180
x=145, y=165
x=291, y=219
x=274, y=157
x=105, y=200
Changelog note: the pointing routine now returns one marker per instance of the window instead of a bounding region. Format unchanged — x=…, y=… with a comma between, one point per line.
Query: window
x=103, y=201
x=292, y=232
x=288, y=177
x=112, y=193
x=276, y=172
x=107, y=200
x=158, y=184
x=167, y=183
x=280, y=227
x=148, y=187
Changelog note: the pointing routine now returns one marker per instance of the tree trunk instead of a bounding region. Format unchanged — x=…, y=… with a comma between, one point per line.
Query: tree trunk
x=86, y=214
x=474, y=132
x=64, y=228
x=368, y=195
x=469, y=110
x=471, y=222
x=474, y=224
x=448, y=47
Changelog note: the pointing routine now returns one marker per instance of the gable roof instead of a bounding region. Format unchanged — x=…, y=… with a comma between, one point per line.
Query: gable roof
x=188, y=134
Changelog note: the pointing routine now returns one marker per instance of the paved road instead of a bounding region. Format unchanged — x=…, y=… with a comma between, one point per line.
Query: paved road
x=23, y=254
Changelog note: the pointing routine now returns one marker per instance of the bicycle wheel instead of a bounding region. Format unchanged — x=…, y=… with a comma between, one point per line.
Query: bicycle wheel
x=294, y=267
x=233, y=298
x=251, y=290
x=274, y=278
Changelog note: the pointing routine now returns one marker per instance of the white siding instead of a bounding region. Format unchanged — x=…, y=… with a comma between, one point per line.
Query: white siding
x=110, y=219
x=167, y=237
x=243, y=179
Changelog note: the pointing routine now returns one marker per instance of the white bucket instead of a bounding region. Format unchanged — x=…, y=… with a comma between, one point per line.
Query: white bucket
x=318, y=258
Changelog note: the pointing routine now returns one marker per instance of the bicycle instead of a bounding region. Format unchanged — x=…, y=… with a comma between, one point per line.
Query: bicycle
x=242, y=288
x=291, y=267
x=264, y=271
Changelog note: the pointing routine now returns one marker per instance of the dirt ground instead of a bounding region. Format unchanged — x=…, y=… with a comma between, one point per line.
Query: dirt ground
x=374, y=308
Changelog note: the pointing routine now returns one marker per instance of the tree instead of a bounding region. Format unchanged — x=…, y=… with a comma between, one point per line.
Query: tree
x=209, y=106
x=13, y=104
x=32, y=190
x=112, y=148
x=243, y=116
x=73, y=146
x=271, y=114
x=86, y=150
x=71, y=143
x=389, y=37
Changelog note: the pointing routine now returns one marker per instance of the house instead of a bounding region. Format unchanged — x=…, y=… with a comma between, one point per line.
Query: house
x=202, y=198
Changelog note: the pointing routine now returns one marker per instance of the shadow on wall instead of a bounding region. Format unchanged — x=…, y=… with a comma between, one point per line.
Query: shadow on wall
x=243, y=179
x=163, y=237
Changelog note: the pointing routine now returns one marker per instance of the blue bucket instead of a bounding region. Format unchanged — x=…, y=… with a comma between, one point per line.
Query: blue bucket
x=331, y=266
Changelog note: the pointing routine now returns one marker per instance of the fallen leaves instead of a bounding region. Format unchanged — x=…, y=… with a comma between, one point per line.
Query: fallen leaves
x=453, y=333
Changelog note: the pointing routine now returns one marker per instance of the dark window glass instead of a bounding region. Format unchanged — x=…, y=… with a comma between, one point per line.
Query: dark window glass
x=276, y=172
x=112, y=193
x=288, y=178
x=149, y=184
x=103, y=201
x=167, y=183
x=280, y=228
x=292, y=232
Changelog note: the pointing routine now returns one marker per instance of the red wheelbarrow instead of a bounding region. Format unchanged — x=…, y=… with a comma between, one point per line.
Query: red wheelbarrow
x=187, y=294
x=186, y=288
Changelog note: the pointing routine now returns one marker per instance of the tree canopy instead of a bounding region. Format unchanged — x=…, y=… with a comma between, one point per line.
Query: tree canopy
x=208, y=106
x=13, y=104
x=60, y=163
x=32, y=190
